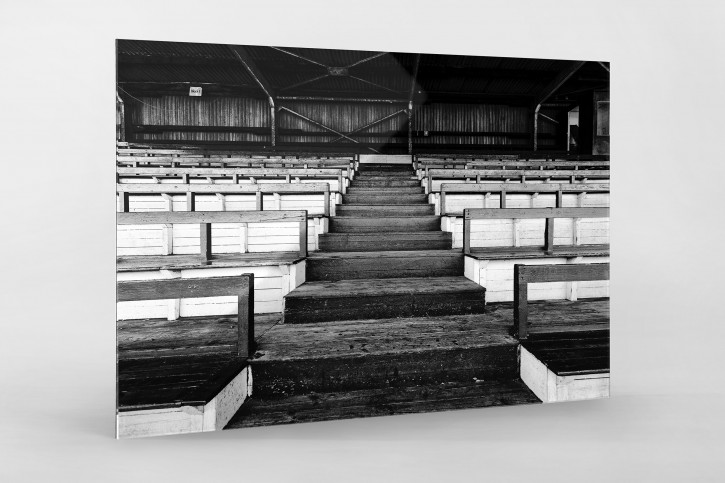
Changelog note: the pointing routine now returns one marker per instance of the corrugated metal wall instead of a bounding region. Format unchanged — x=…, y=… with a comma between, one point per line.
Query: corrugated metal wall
x=446, y=124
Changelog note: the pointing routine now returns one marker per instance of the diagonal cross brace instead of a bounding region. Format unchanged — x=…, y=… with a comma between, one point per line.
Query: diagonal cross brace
x=319, y=124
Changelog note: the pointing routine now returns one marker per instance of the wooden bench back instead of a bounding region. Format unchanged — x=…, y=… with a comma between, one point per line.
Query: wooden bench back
x=550, y=214
x=520, y=174
x=191, y=190
x=206, y=218
x=525, y=274
x=503, y=188
x=241, y=286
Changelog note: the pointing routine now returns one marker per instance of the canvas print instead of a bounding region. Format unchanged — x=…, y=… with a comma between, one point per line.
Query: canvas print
x=308, y=234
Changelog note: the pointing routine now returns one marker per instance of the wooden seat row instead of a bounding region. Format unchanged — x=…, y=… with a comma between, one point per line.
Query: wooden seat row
x=196, y=383
x=192, y=190
x=205, y=219
x=549, y=214
x=502, y=189
x=572, y=176
x=517, y=161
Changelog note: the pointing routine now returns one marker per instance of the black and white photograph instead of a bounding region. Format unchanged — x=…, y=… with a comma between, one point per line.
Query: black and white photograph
x=351, y=242
x=314, y=234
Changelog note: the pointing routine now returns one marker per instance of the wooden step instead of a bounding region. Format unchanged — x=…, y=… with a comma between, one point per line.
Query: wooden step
x=374, y=175
x=384, y=183
x=366, y=224
x=314, y=302
x=384, y=210
x=384, y=199
x=333, y=266
x=326, y=406
x=379, y=353
x=365, y=242
x=384, y=190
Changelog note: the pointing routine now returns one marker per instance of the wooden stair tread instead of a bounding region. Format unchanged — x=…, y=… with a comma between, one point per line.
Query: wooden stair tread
x=454, y=253
x=366, y=338
x=386, y=286
x=380, y=402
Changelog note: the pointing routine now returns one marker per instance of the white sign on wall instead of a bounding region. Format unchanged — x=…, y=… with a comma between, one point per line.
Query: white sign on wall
x=195, y=91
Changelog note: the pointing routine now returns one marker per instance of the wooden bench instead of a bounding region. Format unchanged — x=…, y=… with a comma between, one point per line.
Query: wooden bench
x=516, y=161
x=191, y=190
x=185, y=175
x=205, y=219
x=519, y=175
x=550, y=214
x=559, y=189
x=567, y=358
x=193, y=383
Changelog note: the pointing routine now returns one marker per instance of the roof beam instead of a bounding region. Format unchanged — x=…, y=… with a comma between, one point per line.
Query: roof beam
x=558, y=81
x=241, y=53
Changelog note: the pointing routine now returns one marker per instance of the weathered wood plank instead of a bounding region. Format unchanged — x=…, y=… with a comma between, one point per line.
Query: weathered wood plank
x=182, y=288
x=196, y=217
x=532, y=213
x=225, y=188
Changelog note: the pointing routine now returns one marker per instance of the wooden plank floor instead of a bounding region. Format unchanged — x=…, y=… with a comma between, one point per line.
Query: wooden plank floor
x=176, y=262
x=380, y=402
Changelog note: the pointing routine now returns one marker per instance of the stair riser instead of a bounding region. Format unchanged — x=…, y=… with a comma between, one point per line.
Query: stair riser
x=405, y=199
x=382, y=210
x=300, y=310
x=380, y=183
x=343, y=245
x=336, y=269
x=378, y=190
x=386, y=173
x=373, y=225
x=275, y=379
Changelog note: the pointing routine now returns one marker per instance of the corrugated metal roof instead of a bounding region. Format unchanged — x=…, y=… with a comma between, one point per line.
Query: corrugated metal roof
x=293, y=71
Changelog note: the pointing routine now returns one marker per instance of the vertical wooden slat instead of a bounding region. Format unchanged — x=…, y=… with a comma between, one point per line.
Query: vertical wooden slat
x=245, y=319
x=124, y=202
x=466, y=232
x=190, y=201
x=205, y=242
x=326, y=200
x=559, y=199
x=549, y=236
x=443, y=203
x=303, y=236
x=259, y=198
x=502, y=203
x=521, y=309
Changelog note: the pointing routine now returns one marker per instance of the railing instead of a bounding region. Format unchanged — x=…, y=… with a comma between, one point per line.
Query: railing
x=191, y=190
x=206, y=218
x=505, y=174
x=550, y=214
x=503, y=188
x=525, y=274
x=241, y=286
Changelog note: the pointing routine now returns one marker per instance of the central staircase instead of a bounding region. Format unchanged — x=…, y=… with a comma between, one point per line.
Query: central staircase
x=386, y=322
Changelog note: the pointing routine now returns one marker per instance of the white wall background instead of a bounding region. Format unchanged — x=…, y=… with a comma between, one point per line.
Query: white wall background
x=665, y=420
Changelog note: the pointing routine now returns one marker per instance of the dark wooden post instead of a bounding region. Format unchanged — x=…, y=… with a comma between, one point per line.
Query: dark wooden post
x=245, y=320
x=466, y=232
x=326, y=200
x=559, y=199
x=190, y=201
x=502, y=203
x=303, y=236
x=124, y=201
x=205, y=242
x=549, y=236
x=443, y=202
x=259, y=200
x=521, y=309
